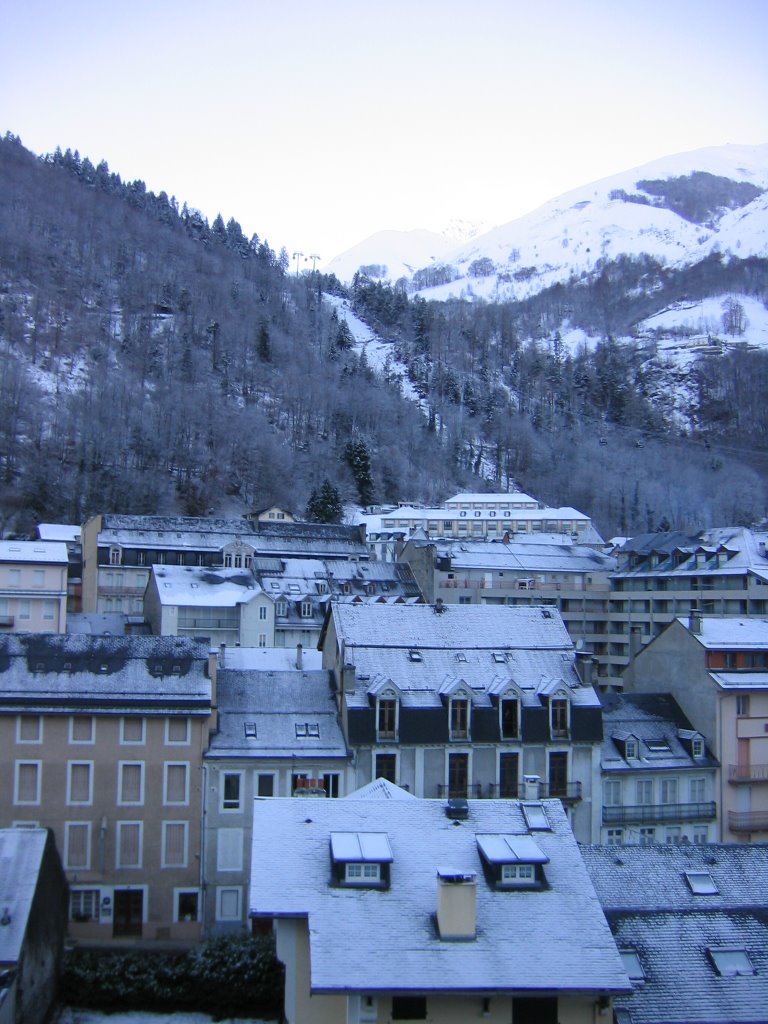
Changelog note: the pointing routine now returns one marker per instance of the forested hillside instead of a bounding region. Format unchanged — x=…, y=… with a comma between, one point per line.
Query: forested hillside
x=150, y=361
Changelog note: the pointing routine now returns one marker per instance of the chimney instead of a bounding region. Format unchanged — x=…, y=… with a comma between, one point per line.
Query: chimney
x=587, y=669
x=531, y=787
x=348, y=678
x=456, y=904
x=299, y=657
x=212, y=669
x=222, y=655
x=635, y=642
x=694, y=620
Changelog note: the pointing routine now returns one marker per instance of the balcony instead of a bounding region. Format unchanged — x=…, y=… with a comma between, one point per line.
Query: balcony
x=641, y=814
x=748, y=821
x=472, y=791
x=568, y=792
x=748, y=773
x=507, y=791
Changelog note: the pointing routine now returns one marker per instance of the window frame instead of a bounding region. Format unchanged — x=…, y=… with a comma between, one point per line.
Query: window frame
x=175, y=720
x=459, y=717
x=167, y=802
x=164, y=829
x=20, y=740
x=69, y=827
x=228, y=805
x=121, y=765
x=38, y=766
x=559, y=718
x=221, y=891
x=75, y=741
x=387, y=713
x=133, y=743
x=120, y=826
x=506, y=701
x=89, y=800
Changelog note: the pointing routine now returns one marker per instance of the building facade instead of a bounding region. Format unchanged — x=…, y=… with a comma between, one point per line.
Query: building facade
x=33, y=586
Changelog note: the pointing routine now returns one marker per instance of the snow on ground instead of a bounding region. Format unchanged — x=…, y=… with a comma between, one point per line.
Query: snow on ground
x=378, y=353
x=689, y=325
x=73, y=1015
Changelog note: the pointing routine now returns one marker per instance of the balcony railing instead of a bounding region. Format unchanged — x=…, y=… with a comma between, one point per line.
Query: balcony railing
x=651, y=813
x=748, y=821
x=472, y=791
x=568, y=792
x=507, y=791
x=748, y=773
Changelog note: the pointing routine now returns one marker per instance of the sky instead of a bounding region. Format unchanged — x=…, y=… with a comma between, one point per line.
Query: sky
x=317, y=124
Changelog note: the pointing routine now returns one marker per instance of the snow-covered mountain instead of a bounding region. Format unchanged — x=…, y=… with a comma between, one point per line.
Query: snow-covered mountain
x=648, y=210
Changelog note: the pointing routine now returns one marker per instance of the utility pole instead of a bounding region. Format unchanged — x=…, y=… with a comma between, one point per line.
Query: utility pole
x=296, y=257
x=314, y=257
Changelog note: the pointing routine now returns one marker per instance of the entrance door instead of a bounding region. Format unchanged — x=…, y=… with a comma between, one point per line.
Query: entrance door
x=128, y=912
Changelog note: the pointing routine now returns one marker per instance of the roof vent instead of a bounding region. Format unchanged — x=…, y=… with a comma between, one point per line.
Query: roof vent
x=457, y=808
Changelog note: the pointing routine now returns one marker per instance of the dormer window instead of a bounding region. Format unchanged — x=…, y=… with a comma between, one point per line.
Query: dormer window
x=281, y=609
x=559, y=717
x=459, y=718
x=697, y=746
x=386, y=716
x=630, y=748
x=513, y=861
x=306, y=609
x=361, y=859
x=509, y=709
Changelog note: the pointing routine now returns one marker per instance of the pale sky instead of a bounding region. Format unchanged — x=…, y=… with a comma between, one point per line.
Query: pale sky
x=316, y=124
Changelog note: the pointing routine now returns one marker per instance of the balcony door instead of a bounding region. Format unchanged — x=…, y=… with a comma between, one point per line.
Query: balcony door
x=458, y=775
x=558, y=774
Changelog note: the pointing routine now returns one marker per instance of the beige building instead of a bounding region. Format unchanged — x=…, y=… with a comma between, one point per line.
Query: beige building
x=103, y=741
x=716, y=667
x=33, y=586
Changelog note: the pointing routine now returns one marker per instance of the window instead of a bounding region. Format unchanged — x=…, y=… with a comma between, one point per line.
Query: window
x=673, y=835
x=129, y=842
x=81, y=729
x=130, y=782
x=49, y=610
x=630, y=748
x=229, y=849
x=731, y=962
x=307, y=729
x=612, y=792
x=14, y=577
x=27, y=782
x=176, y=789
x=265, y=785
x=513, y=874
x=306, y=609
x=174, y=844
x=510, y=719
x=331, y=784
x=187, y=902
x=658, y=746
x=228, y=903
x=262, y=639
x=366, y=873
x=84, y=904
x=458, y=775
x=249, y=728
x=387, y=718
x=698, y=788
x=697, y=747
x=669, y=791
x=131, y=730
x=632, y=965
x=77, y=845
x=230, y=791
x=742, y=705
x=409, y=1008
x=459, y=718
x=79, y=782
x=23, y=607
x=262, y=613
x=644, y=791
x=29, y=729
x=700, y=835
x=615, y=836
x=558, y=709
x=281, y=609
x=647, y=836
x=386, y=767
x=177, y=731
x=701, y=883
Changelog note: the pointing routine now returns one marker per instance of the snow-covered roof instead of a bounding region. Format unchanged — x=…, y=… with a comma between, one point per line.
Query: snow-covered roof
x=525, y=556
x=58, y=531
x=197, y=587
x=723, y=551
x=21, y=857
x=276, y=706
x=480, y=500
x=59, y=672
x=673, y=906
x=270, y=659
x=41, y=552
x=730, y=632
x=385, y=940
x=651, y=718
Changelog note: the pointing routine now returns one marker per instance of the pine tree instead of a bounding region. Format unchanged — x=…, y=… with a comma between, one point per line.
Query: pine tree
x=357, y=457
x=324, y=505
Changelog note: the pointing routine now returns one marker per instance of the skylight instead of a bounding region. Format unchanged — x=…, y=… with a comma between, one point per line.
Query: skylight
x=658, y=746
x=250, y=730
x=361, y=847
x=701, y=883
x=536, y=817
x=632, y=965
x=730, y=962
x=499, y=658
x=307, y=729
x=414, y=655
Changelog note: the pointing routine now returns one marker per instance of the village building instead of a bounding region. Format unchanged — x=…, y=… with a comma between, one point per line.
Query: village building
x=467, y=701
x=33, y=586
x=103, y=741
x=33, y=920
x=716, y=668
x=660, y=781
x=404, y=909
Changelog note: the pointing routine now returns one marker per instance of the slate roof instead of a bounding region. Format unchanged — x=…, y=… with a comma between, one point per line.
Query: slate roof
x=21, y=857
x=525, y=556
x=39, y=551
x=103, y=673
x=648, y=717
x=275, y=702
x=723, y=551
x=652, y=910
x=486, y=648
x=555, y=939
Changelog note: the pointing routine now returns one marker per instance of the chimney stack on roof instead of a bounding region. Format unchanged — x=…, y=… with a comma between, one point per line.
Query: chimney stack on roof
x=299, y=657
x=456, y=904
